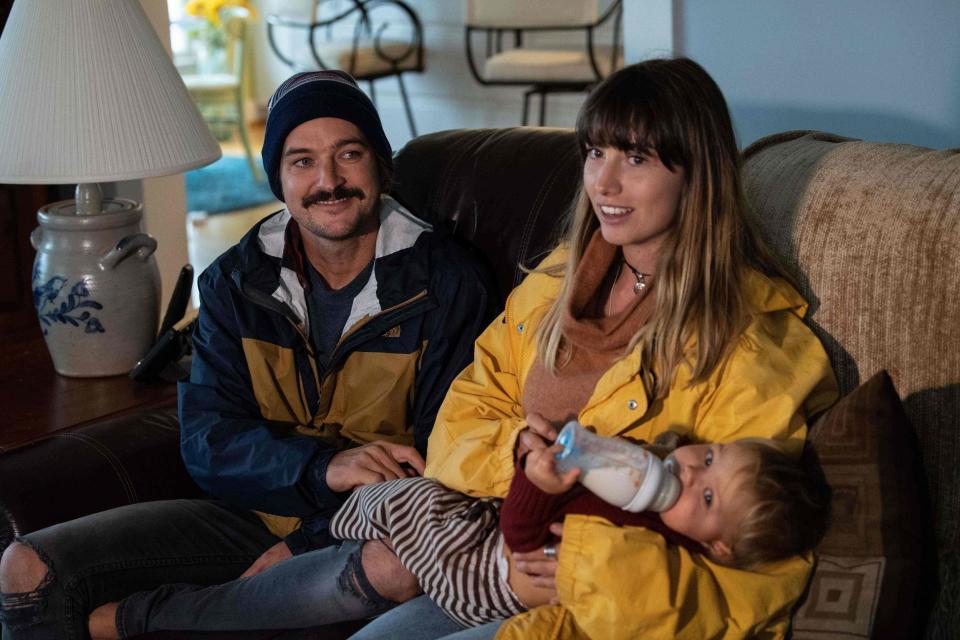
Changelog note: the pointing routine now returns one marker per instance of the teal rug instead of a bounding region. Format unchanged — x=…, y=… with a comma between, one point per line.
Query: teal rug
x=226, y=185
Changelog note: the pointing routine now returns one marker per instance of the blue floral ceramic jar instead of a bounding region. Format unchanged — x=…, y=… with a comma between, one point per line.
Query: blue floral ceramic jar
x=96, y=287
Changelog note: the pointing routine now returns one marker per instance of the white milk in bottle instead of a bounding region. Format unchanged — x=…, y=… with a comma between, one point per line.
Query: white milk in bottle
x=624, y=474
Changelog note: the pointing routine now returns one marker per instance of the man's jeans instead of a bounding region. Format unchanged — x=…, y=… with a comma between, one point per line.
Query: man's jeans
x=319, y=587
x=107, y=556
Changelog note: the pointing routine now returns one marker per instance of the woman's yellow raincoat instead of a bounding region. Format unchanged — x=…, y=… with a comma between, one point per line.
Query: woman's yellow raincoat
x=624, y=582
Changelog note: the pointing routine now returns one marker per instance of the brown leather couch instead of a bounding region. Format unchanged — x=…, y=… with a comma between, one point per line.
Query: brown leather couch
x=836, y=210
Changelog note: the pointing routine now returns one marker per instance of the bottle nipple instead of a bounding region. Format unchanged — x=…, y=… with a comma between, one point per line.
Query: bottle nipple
x=658, y=491
x=670, y=464
x=669, y=490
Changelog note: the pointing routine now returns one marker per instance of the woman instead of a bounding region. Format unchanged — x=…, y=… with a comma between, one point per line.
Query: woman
x=660, y=311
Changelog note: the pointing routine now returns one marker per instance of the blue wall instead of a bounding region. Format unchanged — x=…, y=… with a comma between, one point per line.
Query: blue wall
x=882, y=70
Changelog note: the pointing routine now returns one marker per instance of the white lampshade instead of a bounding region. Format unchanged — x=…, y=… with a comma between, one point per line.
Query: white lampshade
x=89, y=94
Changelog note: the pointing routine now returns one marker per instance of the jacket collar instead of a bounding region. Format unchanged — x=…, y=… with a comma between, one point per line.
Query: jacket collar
x=276, y=269
x=766, y=294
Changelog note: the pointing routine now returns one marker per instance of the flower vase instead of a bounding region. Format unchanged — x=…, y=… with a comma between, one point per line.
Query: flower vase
x=211, y=57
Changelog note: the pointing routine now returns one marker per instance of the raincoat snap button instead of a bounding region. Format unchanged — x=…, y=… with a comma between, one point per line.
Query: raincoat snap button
x=520, y=327
x=631, y=404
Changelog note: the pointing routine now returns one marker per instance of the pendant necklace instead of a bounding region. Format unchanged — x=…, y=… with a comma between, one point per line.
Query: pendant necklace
x=641, y=283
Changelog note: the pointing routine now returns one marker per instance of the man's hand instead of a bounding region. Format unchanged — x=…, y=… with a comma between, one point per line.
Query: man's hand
x=541, y=470
x=374, y=462
x=539, y=434
x=274, y=555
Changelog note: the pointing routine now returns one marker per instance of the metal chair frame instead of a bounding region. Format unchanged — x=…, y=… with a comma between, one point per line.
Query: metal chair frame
x=364, y=25
x=236, y=25
x=494, y=45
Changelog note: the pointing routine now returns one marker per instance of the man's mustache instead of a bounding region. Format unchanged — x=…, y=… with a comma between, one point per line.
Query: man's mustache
x=340, y=193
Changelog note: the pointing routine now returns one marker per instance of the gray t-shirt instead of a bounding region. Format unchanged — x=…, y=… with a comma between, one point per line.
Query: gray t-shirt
x=329, y=310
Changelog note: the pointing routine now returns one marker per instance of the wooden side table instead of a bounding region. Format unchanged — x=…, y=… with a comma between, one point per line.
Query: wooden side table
x=36, y=402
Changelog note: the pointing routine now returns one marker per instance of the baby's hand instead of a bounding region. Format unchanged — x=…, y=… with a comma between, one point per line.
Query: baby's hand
x=541, y=469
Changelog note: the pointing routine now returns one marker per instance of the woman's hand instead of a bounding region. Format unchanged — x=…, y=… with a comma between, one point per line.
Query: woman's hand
x=541, y=564
x=539, y=434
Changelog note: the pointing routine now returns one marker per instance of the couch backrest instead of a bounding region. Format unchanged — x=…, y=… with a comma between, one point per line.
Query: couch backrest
x=504, y=191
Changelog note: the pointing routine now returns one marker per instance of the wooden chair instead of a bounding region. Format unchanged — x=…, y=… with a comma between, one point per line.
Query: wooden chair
x=369, y=39
x=546, y=70
x=219, y=96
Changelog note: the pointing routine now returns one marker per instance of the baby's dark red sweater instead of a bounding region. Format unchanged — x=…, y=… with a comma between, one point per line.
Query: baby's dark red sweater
x=527, y=513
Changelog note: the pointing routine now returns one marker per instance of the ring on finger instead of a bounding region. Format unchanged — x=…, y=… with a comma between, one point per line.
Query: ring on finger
x=550, y=551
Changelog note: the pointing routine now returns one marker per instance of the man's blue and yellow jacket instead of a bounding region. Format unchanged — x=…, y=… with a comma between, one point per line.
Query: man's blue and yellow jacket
x=261, y=420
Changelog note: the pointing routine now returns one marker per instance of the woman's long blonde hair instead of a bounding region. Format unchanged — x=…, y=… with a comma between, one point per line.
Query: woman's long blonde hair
x=674, y=109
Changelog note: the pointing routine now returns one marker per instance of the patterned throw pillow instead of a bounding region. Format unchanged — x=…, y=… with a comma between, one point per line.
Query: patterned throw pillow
x=874, y=571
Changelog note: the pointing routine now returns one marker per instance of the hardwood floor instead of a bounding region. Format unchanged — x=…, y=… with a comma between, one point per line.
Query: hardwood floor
x=255, y=131
x=210, y=235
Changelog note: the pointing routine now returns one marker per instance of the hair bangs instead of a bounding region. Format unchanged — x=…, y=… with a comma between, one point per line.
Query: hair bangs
x=625, y=113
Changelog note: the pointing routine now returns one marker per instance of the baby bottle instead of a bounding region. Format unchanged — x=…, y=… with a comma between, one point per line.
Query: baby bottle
x=624, y=474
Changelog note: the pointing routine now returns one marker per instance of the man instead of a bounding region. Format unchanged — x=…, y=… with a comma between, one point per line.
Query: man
x=326, y=341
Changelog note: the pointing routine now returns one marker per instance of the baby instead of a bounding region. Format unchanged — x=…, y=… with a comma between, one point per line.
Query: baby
x=741, y=504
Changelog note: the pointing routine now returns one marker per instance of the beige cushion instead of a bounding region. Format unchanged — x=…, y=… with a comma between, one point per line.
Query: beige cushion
x=211, y=82
x=546, y=65
x=336, y=55
x=530, y=13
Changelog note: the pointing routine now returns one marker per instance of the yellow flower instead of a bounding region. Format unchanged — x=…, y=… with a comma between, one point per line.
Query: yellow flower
x=195, y=8
x=210, y=9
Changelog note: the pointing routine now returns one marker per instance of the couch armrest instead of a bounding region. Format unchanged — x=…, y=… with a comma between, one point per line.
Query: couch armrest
x=104, y=465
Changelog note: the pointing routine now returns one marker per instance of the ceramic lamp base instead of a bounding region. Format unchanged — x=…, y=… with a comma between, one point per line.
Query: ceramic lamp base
x=96, y=287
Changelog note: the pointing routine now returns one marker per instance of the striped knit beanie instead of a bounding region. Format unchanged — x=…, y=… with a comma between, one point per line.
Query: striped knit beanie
x=318, y=94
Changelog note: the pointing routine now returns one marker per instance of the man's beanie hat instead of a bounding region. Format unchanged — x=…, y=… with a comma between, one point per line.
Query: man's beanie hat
x=318, y=94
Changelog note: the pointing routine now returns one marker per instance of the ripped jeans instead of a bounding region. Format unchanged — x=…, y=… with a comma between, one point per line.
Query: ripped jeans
x=108, y=556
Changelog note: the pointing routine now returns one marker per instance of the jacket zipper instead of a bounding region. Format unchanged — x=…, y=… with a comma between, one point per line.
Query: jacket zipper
x=377, y=324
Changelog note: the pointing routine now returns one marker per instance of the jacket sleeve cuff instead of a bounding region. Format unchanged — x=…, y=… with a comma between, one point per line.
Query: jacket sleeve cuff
x=571, y=555
x=314, y=481
x=303, y=539
x=506, y=461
